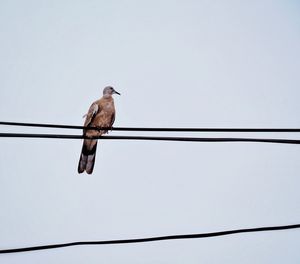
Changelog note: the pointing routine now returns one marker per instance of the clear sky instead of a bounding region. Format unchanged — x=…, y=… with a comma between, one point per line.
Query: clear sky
x=176, y=64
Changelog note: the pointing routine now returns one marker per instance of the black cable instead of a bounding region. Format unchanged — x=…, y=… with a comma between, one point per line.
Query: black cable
x=150, y=239
x=186, y=139
x=156, y=129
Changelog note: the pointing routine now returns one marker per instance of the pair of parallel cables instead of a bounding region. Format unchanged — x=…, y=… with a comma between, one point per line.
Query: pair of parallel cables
x=158, y=138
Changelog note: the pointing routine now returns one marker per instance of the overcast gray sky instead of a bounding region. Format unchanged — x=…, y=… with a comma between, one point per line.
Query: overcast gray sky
x=176, y=63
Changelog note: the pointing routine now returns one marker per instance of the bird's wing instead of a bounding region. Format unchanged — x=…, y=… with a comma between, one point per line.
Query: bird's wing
x=112, y=120
x=94, y=109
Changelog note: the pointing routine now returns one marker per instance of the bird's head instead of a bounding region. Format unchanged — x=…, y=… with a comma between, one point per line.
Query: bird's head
x=109, y=91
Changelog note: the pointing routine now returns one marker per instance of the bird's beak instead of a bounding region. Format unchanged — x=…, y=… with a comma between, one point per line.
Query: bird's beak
x=117, y=93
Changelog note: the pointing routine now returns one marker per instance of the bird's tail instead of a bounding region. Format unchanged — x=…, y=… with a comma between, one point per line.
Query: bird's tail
x=87, y=156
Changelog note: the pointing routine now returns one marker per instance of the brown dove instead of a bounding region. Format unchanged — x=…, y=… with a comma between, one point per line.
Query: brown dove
x=101, y=114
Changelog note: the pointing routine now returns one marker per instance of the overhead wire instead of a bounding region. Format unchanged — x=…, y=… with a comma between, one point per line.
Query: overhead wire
x=158, y=129
x=152, y=138
x=150, y=239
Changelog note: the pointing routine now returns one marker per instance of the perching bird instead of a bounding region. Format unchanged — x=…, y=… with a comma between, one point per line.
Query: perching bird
x=101, y=114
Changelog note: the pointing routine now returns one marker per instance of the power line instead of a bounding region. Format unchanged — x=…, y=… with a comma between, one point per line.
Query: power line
x=150, y=239
x=150, y=138
x=157, y=129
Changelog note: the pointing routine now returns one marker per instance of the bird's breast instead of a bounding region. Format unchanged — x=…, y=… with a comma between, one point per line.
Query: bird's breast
x=109, y=107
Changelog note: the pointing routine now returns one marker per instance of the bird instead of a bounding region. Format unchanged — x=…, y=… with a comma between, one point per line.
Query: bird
x=101, y=114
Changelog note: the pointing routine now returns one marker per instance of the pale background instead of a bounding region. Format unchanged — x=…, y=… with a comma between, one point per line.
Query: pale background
x=176, y=63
